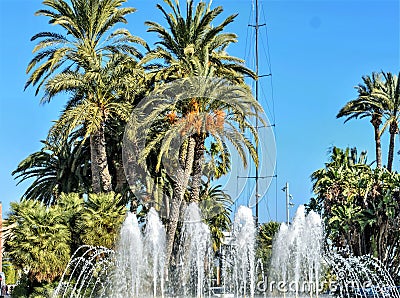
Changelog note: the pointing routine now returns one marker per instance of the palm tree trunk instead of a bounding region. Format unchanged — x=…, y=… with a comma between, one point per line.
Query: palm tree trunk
x=197, y=168
x=393, y=132
x=180, y=186
x=376, y=122
x=120, y=178
x=101, y=178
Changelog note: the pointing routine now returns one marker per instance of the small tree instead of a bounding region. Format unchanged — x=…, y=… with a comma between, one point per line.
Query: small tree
x=101, y=220
x=39, y=240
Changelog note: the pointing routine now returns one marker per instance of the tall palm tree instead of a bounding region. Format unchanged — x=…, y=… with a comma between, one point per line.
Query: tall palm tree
x=192, y=47
x=389, y=96
x=366, y=105
x=223, y=113
x=98, y=96
x=81, y=50
x=60, y=166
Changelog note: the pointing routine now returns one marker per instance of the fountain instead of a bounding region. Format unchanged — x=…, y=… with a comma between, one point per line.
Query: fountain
x=137, y=267
x=126, y=280
x=154, y=241
x=194, y=254
x=85, y=273
x=243, y=252
x=296, y=255
x=300, y=266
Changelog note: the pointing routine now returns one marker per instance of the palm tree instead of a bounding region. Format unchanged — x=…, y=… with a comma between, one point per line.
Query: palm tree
x=223, y=112
x=101, y=219
x=38, y=240
x=79, y=53
x=60, y=166
x=98, y=96
x=72, y=206
x=367, y=105
x=86, y=41
x=389, y=96
x=193, y=46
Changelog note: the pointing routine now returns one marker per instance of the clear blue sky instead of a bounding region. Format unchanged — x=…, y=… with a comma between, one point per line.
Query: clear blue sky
x=318, y=51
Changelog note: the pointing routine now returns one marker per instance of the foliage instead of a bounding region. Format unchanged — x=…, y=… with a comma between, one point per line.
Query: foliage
x=93, y=64
x=104, y=93
x=380, y=100
x=360, y=206
x=101, y=219
x=43, y=291
x=60, y=166
x=72, y=206
x=215, y=207
x=39, y=241
x=9, y=270
x=218, y=162
x=22, y=289
x=25, y=289
x=265, y=237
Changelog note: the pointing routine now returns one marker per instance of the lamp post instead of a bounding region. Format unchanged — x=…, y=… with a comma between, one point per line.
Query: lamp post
x=289, y=204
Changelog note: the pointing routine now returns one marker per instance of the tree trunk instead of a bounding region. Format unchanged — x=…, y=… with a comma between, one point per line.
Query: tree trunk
x=376, y=122
x=180, y=186
x=101, y=178
x=393, y=132
x=198, y=163
x=120, y=176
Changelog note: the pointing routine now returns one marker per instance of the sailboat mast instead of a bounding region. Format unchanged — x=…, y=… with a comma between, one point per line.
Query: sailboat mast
x=256, y=95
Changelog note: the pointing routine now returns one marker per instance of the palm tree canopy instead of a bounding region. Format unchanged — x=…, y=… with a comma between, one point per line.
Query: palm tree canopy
x=39, y=240
x=366, y=104
x=98, y=95
x=193, y=46
x=60, y=166
x=101, y=219
x=221, y=110
x=389, y=98
x=86, y=40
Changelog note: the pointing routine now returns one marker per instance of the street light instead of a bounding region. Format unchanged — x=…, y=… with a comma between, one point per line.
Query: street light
x=289, y=204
